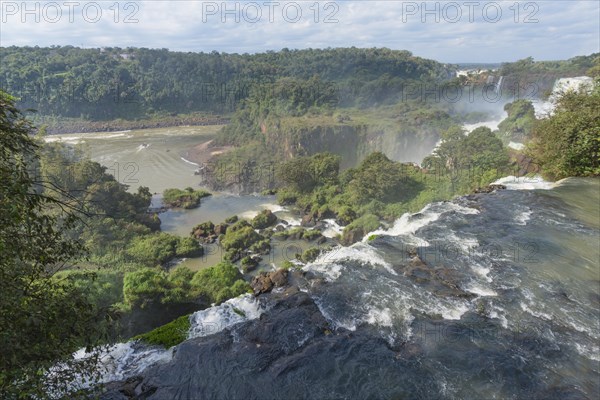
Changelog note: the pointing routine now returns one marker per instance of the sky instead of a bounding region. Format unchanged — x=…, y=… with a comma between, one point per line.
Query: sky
x=447, y=31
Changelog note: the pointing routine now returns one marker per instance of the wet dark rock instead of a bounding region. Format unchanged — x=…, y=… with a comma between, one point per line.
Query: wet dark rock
x=266, y=281
x=220, y=229
x=489, y=189
x=308, y=221
x=352, y=236
x=279, y=277
x=291, y=352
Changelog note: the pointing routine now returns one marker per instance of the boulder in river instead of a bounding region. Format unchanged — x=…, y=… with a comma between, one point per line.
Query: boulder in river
x=266, y=281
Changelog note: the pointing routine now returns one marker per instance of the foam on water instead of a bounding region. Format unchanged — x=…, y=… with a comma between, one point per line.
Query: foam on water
x=525, y=183
x=523, y=217
x=233, y=311
x=544, y=109
x=332, y=228
x=492, y=124
x=142, y=146
x=331, y=272
x=480, y=290
x=124, y=360
x=360, y=252
x=189, y=162
x=409, y=223
x=273, y=207
x=516, y=145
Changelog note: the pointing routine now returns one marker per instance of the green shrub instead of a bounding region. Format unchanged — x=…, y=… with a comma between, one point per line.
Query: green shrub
x=311, y=254
x=264, y=219
x=159, y=248
x=261, y=247
x=240, y=239
x=345, y=215
x=287, y=265
x=188, y=198
x=248, y=264
x=103, y=288
x=242, y=223
x=287, y=197
x=203, y=229
x=219, y=283
x=231, y=219
x=311, y=234
x=372, y=237
x=168, y=335
x=179, y=286
x=359, y=228
x=144, y=287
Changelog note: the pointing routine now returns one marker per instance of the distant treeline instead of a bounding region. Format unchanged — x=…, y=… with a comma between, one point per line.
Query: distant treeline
x=110, y=83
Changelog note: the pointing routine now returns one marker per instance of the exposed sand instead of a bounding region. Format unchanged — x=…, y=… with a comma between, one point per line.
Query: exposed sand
x=203, y=152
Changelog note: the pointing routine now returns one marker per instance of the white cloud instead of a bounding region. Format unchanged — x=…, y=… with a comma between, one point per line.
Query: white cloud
x=564, y=29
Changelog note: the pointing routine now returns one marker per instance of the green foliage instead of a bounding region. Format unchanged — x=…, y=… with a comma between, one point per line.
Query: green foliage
x=568, y=142
x=261, y=247
x=310, y=255
x=180, y=286
x=304, y=174
x=287, y=196
x=468, y=162
x=519, y=123
x=219, y=283
x=311, y=234
x=287, y=265
x=240, y=238
x=360, y=227
x=158, y=248
x=188, y=198
x=248, y=264
x=42, y=320
x=264, y=219
x=168, y=335
x=346, y=215
x=103, y=288
x=378, y=178
x=231, y=219
x=145, y=287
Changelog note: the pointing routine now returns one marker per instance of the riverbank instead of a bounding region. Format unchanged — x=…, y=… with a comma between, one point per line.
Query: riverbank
x=56, y=126
x=202, y=153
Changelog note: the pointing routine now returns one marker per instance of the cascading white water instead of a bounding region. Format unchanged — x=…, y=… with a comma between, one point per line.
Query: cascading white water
x=562, y=85
x=498, y=86
x=123, y=360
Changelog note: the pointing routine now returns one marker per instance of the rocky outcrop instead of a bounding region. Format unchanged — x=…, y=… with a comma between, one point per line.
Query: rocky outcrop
x=266, y=281
x=291, y=352
x=489, y=189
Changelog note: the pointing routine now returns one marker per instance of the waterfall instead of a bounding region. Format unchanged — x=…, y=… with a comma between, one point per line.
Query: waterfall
x=498, y=86
x=562, y=85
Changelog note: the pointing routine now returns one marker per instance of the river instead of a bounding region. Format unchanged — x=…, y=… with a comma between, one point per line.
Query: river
x=489, y=296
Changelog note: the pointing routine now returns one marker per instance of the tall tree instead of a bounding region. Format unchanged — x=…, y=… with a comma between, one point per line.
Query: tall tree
x=568, y=142
x=42, y=321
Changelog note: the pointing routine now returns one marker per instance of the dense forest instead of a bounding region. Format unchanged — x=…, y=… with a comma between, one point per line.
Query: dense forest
x=82, y=259
x=131, y=83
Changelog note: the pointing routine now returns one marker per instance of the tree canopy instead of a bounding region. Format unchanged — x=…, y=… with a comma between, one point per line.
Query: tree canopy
x=568, y=142
x=42, y=320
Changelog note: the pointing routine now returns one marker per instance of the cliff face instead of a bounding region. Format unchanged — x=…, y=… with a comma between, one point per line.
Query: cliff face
x=353, y=142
